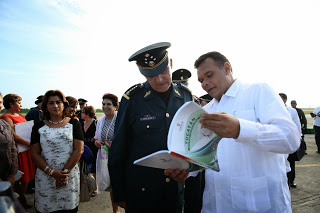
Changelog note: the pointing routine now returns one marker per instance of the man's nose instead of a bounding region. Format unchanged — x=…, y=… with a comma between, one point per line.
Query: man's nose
x=159, y=78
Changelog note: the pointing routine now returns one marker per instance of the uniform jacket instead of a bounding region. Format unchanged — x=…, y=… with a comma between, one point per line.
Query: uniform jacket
x=141, y=128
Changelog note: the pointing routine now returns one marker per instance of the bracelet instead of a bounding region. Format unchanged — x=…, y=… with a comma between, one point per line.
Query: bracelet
x=66, y=170
x=51, y=172
x=45, y=169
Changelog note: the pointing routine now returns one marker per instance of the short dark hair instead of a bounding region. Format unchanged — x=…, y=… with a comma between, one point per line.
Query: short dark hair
x=10, y=98
x=216, y=56
x=89, y=110
x=45, y=99
x=283, y=96
x=112, y=97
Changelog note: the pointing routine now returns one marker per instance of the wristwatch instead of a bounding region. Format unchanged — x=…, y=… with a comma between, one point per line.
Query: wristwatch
x=66, y=170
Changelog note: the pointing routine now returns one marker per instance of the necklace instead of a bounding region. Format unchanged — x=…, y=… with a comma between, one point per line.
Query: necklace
x=57, y=122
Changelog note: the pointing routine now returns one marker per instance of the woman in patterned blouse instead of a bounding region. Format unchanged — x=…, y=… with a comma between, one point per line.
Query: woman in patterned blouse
x=105, y=128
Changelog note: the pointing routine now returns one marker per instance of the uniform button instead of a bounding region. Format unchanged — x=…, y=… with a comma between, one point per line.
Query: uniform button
x=148, y=126
x=167, y=180
x=143, y=189
x=167, y=115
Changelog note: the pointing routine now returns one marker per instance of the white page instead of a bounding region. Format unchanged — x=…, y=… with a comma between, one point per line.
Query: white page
x=24, y=131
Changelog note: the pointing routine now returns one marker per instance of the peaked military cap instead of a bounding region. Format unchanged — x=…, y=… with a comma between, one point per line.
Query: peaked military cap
x=39, y=99
x=153, y=59
x=206, y=98
x=181, y=75
x=82, y=101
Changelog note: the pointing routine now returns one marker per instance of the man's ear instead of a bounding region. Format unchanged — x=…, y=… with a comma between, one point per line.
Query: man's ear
x=170, y=63
x=227, y=67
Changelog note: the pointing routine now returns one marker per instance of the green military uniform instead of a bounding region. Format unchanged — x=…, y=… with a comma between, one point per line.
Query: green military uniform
x=141, y=128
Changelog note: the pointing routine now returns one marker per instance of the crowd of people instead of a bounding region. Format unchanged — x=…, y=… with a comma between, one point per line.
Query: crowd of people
x=259, y=133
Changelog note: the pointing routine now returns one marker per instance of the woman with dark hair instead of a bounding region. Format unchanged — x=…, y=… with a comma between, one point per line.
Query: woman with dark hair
x=72, y=107
x=12, y=104
x=89, y=128
x=56, y=147
x=105, y=128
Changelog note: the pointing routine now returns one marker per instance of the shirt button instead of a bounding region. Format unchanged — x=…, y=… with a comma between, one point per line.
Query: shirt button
x=143, y=189
x=167, y=115
x=167, y=180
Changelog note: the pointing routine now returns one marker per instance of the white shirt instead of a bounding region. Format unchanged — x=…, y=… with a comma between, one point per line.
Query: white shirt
x=317, y=118
x=253, y=171
x=295, y=118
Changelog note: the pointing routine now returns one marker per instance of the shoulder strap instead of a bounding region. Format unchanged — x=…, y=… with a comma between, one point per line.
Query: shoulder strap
x=182, y=86
x=132, y=90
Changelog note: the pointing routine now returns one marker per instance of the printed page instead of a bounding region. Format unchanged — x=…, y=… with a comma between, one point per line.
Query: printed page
x=163, y=160
x=186, y=136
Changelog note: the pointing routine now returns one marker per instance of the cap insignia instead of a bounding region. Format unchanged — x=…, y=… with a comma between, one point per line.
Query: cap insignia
x=151, y=63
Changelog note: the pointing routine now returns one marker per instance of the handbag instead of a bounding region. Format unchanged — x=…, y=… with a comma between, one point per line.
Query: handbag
x=84, y=189
x=102, y=172
x=298, y=155
x=92, y=185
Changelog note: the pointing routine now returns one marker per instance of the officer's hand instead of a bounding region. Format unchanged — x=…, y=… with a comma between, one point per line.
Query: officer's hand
x=223, y=124
x=122, y=204
x=177, y=175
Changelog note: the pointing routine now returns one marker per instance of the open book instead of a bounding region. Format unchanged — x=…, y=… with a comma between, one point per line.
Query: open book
x=191, y=147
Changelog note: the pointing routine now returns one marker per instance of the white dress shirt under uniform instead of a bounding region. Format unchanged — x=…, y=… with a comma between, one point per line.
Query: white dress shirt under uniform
x=253, y=170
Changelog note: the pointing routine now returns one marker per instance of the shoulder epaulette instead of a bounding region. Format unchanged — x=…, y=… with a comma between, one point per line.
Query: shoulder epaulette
x=132, y=90
x=181, y=85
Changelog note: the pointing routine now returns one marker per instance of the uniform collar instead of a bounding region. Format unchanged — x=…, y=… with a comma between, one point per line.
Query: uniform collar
x=151, y=93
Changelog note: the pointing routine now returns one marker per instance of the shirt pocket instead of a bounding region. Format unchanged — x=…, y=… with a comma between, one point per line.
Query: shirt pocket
x=250, y=194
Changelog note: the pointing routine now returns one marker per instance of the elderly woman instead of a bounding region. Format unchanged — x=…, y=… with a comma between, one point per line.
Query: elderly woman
x=72, y=107
x=12, y=104
x=8, y=151
x=56, y=147
x=105, y=127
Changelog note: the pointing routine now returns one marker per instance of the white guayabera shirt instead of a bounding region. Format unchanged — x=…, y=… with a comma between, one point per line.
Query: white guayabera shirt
x=253, y=169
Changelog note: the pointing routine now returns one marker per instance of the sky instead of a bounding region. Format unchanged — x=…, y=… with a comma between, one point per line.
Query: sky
x=82, y=47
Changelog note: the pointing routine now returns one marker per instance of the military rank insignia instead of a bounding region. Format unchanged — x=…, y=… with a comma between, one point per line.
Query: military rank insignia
x=176, y=91
x=147, y=94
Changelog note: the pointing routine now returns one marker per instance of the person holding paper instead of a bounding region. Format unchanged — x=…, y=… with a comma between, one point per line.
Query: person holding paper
x=145, y=114
x=8, y=151
x=257, y=132
x=12, y=104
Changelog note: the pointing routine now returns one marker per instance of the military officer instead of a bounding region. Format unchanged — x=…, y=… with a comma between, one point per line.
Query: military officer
x=182, y=76
x=141, y=128
x=205, y=99
x=82, y=103
x=192, y=188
